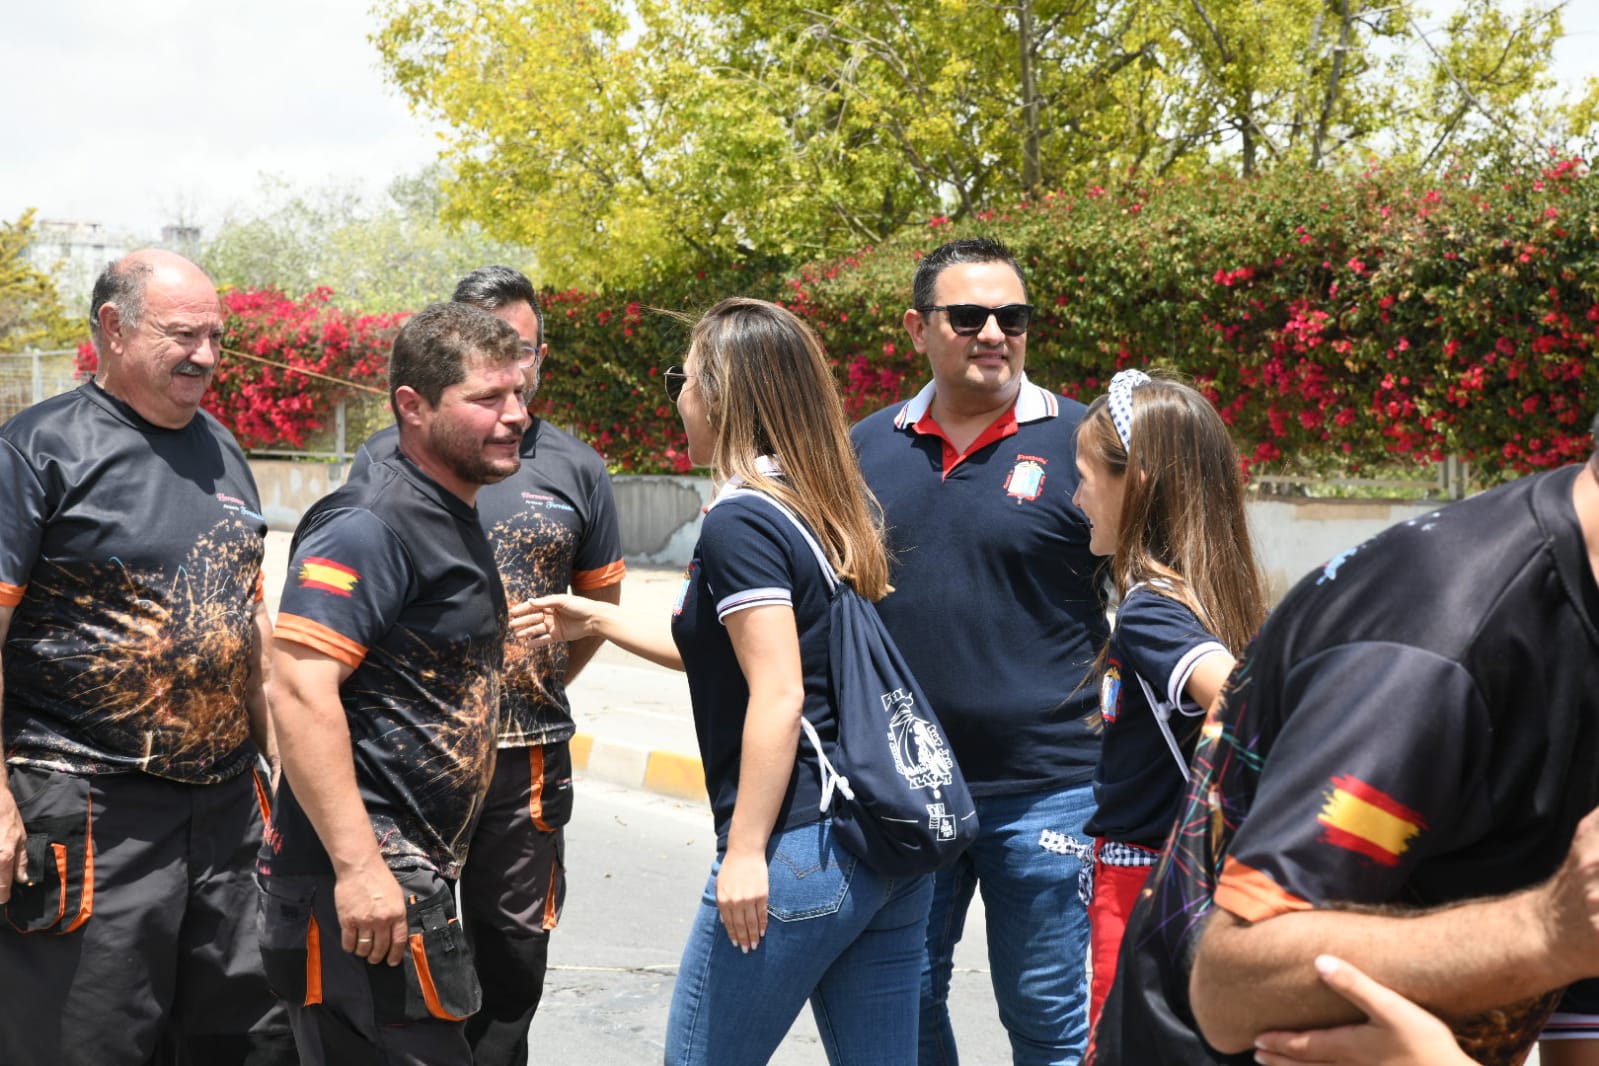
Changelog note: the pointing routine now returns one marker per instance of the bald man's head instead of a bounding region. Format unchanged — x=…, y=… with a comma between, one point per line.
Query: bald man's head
x=158, y=329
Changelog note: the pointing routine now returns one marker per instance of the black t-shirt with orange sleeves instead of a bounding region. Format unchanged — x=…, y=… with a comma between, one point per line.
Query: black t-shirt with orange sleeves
x=132, y=557
x=392, y=576
x=1416, y=724
x=553, y=527
x=997, y=606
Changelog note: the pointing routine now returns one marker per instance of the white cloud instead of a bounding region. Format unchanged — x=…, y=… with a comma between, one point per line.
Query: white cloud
x=127, y=120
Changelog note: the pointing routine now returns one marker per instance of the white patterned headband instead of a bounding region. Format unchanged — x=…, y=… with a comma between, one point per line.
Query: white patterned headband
x=1121, y=403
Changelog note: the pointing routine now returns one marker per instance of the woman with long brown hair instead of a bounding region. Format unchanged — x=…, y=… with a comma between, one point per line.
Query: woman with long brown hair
x=788, y=914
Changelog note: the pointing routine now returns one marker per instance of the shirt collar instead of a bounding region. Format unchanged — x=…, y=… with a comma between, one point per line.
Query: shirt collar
x=766, y=464
x=1032, y=404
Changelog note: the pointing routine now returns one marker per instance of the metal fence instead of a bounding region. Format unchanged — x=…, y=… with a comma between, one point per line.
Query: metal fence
x=33, y=376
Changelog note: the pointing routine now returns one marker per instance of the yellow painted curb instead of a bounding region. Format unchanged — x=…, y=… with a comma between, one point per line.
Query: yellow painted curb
x=580, y=745
x=677, y=775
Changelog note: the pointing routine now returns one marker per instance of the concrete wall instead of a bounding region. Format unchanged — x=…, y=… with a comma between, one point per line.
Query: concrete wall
x=1294, y=536
x=660, y=518
x=289, y=486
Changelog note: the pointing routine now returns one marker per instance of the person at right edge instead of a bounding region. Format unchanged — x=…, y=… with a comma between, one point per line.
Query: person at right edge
x=999, y=610
x=1396, y=778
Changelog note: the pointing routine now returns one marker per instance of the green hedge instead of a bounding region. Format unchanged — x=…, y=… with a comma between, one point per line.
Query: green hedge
x=1336, y=321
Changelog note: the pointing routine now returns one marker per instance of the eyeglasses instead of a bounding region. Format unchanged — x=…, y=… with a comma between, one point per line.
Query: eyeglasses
x=674, y=378
x=968, y=320
x=529, y=356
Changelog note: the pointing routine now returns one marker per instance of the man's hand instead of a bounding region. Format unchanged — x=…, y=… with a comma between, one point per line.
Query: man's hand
x=371, y=908
x=1573, y=903
x=1396, y=1031
x=13, y=844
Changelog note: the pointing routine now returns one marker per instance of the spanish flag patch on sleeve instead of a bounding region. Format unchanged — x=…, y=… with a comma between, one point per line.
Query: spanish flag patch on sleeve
x=1368, y=821
x=327, y=575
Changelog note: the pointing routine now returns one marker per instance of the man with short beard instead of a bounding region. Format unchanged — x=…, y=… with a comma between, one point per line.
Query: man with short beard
x=390, y=643
x=553, y=527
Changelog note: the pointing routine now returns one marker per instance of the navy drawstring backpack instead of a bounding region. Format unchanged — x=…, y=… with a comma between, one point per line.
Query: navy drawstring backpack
x=891, y=783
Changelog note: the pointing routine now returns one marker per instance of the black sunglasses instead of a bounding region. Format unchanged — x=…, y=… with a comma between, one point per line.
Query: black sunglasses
x=967, y=320
x=674, y=378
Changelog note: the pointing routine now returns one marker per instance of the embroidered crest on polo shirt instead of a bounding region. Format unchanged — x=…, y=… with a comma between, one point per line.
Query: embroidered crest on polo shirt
x=1110, y=692
x=682, y=592
x=1026, y=479
x=326, y=575
x=1368, y=821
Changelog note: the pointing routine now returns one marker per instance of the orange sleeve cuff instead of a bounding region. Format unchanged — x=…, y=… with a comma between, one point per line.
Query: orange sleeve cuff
x=298, y=630
x=588, y=580
x=1247, y=893
x=11, y=595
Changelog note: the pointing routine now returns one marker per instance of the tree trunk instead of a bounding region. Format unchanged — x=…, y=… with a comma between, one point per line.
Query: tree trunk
x=1032, y=134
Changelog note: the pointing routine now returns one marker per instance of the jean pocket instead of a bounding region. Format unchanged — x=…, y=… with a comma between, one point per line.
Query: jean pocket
x=807, y=876
x=291, y=939
x=439, y=978
x=58, y=812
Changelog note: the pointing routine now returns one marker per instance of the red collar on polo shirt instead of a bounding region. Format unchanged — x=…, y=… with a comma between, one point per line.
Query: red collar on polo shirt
x=1032, y=403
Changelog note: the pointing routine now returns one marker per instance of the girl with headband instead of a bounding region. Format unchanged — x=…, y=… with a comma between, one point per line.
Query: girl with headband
x=1162, y=488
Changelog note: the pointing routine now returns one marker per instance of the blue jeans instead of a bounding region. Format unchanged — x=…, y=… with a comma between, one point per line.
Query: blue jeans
x=841, y=936
x=1027, y=856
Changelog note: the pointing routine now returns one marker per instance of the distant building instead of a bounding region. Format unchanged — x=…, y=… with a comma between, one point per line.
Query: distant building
x=73, y=254
x=180, y=234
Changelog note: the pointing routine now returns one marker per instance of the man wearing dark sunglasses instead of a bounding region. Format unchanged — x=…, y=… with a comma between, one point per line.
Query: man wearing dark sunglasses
x=553, y=527
x=996, y=608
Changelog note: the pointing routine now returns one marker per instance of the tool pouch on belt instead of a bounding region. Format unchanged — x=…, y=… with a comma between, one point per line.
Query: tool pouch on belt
x=291, y=939
x=436, y=978
x=59, y=895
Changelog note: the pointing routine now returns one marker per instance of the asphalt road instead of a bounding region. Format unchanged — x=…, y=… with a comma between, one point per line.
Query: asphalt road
x=637, y=863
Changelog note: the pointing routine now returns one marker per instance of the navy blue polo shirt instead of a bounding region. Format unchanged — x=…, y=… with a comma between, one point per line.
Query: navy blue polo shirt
x=132, y=556
x=1139, y=784
x=996, y=603
x=749, y=555
x=392, y=576
x=553, y=527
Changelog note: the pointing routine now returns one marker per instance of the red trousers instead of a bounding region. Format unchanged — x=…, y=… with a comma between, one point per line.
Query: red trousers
x=1116, y=891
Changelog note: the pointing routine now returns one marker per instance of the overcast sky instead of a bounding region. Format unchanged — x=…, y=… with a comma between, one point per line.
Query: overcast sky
x=111, y=116
x=132, y=121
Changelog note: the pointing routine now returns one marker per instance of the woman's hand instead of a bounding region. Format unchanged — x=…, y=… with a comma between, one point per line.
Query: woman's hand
x=741, y=888
x=1396, y=1031
x=553, y=618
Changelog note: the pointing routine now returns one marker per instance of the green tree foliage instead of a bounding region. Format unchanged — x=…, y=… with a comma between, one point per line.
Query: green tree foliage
x=393, y=256
x=626, y=141
x=30, y=310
